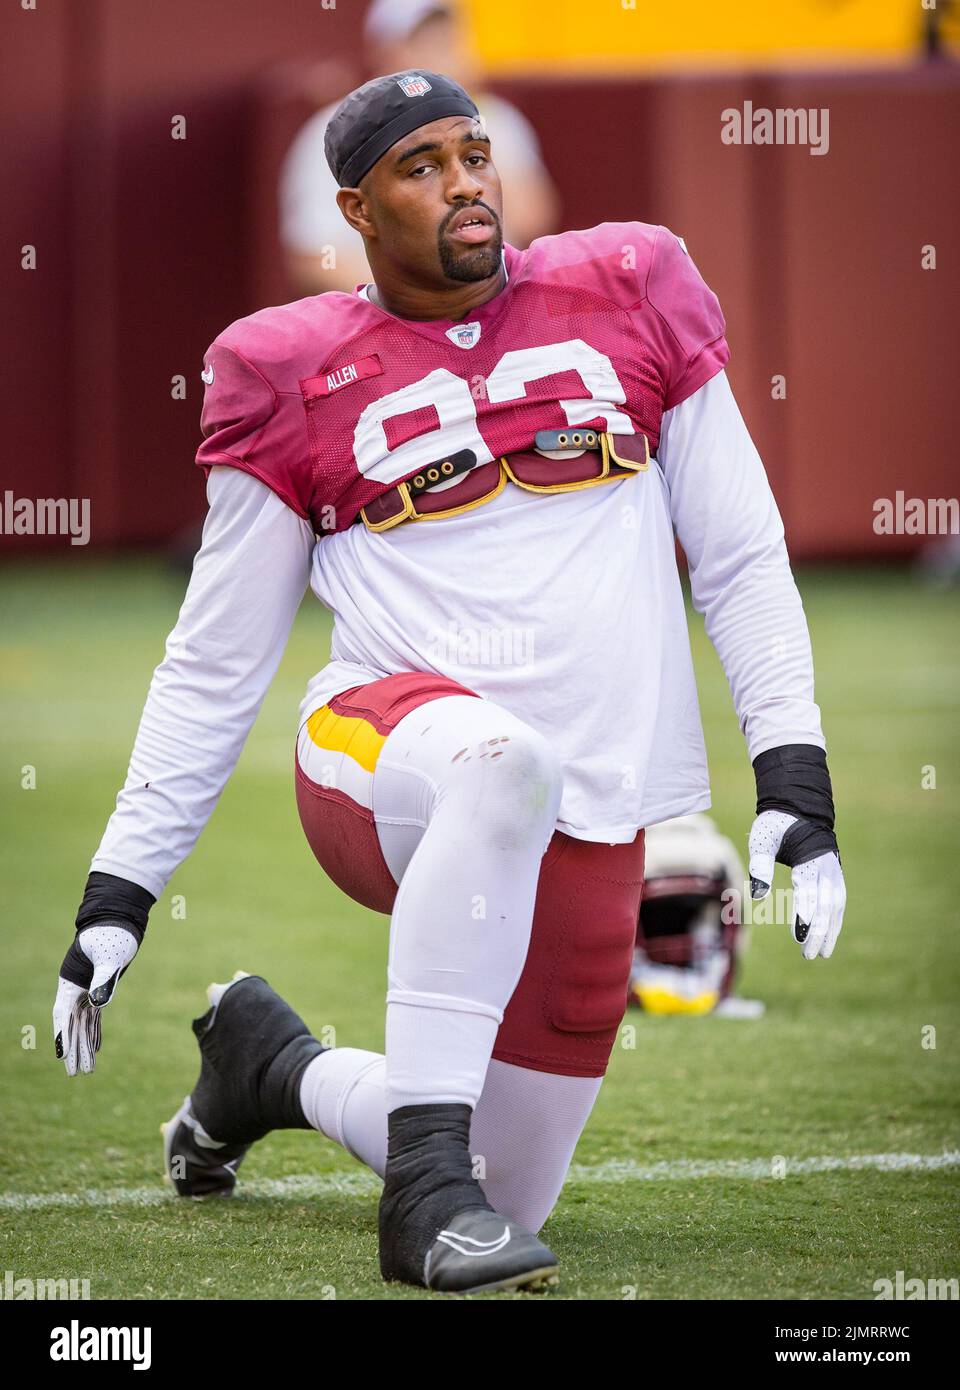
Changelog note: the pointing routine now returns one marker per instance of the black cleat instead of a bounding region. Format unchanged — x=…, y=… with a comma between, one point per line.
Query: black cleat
x=195, y=1164
x=253, y=1052
x=480, y=1252
x=437, y=1229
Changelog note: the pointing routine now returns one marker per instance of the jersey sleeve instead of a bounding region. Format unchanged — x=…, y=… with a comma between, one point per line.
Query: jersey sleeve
x=683, y=319
x=248, y=579
x=248, y=424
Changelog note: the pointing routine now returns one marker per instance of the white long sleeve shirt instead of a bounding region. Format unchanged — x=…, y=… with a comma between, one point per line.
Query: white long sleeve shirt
x=249, y=577
x=567, y=609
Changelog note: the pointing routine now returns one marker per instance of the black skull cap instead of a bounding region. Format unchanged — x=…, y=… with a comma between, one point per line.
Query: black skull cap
x=381, y=112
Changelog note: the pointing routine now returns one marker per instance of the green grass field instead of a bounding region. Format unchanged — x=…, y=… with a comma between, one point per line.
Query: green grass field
x=836, y=1068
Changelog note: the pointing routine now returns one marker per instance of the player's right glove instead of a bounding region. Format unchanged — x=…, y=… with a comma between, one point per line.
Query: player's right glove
x=88, y=977
x=110, y=927
x=794, y=826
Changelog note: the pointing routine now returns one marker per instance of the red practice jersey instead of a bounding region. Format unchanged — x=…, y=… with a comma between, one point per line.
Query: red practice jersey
x=331, y=400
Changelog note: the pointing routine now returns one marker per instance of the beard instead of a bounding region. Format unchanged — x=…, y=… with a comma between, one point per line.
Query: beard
x=471, y=264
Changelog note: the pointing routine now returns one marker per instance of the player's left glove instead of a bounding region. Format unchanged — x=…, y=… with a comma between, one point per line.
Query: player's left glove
x=794, y=826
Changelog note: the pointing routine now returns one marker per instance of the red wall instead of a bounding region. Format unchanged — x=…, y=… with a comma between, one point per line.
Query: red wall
x=148, y=246
x=143, y=242
x=817, y=262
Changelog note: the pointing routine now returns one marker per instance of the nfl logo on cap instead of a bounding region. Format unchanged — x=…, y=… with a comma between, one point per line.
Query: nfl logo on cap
x=413, y=85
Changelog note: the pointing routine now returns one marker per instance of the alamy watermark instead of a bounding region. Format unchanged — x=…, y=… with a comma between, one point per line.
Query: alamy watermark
x=916, y=516
x=776, y=909
x=46, y=516
x=901, y=1288
x=481, y=646
x=28, y=1289
x=785, y=125
x=76, y=1343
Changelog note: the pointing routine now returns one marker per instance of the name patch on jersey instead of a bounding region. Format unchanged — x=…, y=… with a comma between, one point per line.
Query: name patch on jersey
x=330, y=382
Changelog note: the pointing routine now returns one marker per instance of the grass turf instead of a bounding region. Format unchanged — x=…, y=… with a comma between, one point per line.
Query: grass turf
x=836, y=1067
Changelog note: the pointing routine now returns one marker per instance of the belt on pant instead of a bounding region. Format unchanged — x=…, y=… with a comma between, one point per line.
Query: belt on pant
x=600, y=457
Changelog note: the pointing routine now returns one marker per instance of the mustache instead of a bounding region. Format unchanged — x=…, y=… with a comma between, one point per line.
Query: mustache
x=477, y=203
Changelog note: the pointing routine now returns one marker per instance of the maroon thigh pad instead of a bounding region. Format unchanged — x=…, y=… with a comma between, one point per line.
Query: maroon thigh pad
x=564, y=1014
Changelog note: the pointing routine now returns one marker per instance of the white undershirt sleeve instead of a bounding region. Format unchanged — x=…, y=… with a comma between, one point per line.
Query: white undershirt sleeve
x=248, y=579
x=727, y=521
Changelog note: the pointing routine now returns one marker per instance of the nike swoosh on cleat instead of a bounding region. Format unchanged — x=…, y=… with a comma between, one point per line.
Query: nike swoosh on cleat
x=483, y=1247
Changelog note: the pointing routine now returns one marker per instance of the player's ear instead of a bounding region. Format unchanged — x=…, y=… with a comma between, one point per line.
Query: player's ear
x=356, y=210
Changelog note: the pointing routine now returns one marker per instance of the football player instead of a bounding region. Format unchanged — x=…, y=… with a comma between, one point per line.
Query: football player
x=477, y=461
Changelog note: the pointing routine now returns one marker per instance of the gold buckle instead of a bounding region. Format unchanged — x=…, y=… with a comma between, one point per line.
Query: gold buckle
x=408, y=511
x=610, y=455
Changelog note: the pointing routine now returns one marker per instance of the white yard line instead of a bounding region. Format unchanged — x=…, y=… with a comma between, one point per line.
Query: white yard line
x=297, y=1185
x=753, y=1169
x=313, y=1185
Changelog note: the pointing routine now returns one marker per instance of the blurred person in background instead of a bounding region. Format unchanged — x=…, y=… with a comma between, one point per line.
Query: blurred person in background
x=322, y=252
